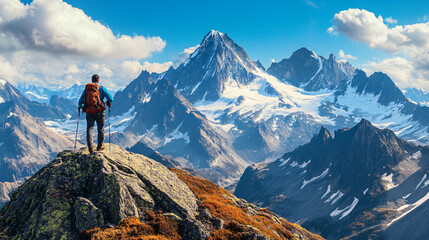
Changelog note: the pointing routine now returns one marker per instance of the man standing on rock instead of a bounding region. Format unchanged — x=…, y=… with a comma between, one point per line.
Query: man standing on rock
x=92, y=103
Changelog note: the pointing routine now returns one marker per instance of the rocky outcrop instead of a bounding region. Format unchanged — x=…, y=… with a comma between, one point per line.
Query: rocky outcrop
x=79, y=191
x=83, y=195
x=26, y=143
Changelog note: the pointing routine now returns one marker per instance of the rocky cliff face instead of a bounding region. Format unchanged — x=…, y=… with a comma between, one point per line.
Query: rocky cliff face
x=216, y=62
x=311, y=72
x=26, y=144
x=42, y=110
x=175, y=127
x=81, y=194
x=356, y=184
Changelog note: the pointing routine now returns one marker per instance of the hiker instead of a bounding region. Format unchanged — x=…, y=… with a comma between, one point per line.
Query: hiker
x=92, y=103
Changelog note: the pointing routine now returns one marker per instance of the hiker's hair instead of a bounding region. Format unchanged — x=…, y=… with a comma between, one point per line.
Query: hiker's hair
x=95, y=78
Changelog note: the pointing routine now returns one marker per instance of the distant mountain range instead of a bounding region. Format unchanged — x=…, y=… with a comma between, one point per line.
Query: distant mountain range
x=26, y=143
x=219, y=111
x=361, y=183
x=417, y=95
x=261, y=114
x=43, y=95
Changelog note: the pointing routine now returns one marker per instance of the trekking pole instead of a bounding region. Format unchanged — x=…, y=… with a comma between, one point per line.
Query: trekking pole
x=77, y=129
x=110, y=136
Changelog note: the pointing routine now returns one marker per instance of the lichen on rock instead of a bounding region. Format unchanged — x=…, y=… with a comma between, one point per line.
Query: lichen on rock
x=80, y=191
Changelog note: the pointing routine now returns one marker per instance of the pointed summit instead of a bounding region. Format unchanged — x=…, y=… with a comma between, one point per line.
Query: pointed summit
x=213, y=34
x=135, y=94
x=302, y=52
x=378, y=84
x=297, y=70
x=307, y=70
x=260, y=66
x=217, y=62
x=364, y=123
x=324, y=134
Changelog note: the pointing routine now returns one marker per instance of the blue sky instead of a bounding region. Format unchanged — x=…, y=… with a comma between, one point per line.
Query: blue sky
x=265, y=29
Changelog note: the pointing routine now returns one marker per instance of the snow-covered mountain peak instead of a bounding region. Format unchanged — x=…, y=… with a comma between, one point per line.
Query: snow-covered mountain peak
x=310, y=71
x=213, y=34
x=216, y=61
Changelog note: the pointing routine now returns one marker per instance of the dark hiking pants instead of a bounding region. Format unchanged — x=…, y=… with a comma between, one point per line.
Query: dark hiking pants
x=90, y=120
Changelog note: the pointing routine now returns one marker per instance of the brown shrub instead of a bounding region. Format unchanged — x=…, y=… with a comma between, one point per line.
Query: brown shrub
x=156, y=227
x=218, y=201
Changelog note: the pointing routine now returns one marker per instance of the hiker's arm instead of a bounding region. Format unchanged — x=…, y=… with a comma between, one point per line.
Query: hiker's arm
x=82, y=97
x=107, y=95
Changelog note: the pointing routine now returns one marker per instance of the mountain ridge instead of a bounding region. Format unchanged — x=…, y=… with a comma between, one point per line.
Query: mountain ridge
x=79, y=194
x=358, y=179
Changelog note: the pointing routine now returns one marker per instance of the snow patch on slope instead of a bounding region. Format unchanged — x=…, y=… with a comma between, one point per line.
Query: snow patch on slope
x=176, y=134
x=283, y=162
x=304, y=164
x=304, y=183
x=328, y=190
x=346, y=211
x=314, y=55
x=334, y=197
x=416, y=155
x=387, y=180
x=423, y=178
x=414, y=206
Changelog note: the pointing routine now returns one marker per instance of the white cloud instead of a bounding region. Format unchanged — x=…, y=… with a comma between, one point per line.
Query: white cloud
x=51, y=43
x=157, y=67
x=273, y=60
x=331, y=31
x=135, y=67
x=73, y=68
x=402, y=71
x=11, y=9
x=54, y=26
x=364, y=26
x=132, y=68
x=7, y=70
x=397, y=68
x=342, y=55
x=184, y=55
x=105, y=71
x=391, y=20
x=411, y=42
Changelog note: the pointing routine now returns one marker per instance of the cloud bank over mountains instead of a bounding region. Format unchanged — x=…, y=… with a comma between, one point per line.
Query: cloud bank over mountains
x=51, y=43
x=57, y=27
x=409, y=44
x=54, y=33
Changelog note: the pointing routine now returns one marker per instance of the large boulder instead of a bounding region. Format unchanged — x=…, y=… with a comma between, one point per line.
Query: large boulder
x=80, y=191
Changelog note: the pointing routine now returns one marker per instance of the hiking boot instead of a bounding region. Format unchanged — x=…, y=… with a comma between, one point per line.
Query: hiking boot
x=102, y=147
x=90, y=149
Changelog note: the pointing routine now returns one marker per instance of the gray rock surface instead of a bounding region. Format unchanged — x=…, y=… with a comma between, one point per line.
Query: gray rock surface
x=78, y=191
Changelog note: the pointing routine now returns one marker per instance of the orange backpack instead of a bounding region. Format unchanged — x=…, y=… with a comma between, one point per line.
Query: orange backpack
x=92, y=102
